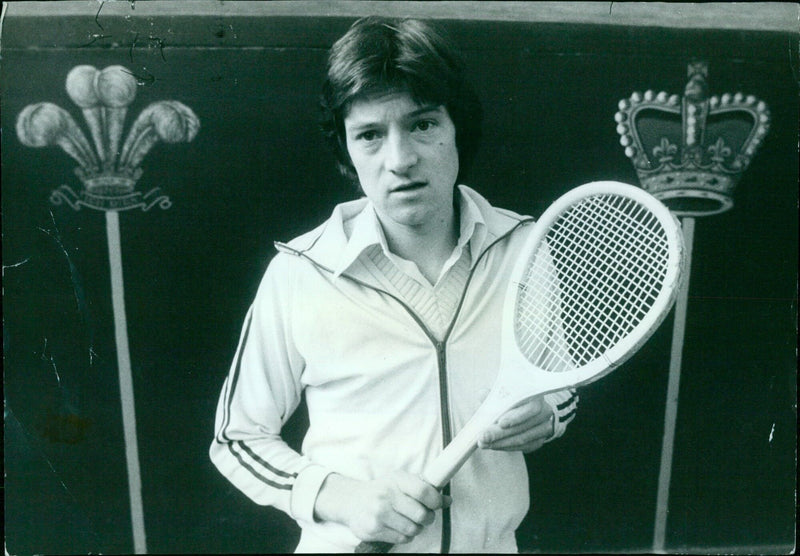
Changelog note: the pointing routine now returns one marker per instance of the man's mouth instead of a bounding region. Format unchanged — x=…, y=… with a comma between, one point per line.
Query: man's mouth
x=410, y=186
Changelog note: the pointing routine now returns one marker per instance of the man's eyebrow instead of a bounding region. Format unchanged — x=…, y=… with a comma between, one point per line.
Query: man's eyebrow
x=422, y=110
x=359, y=125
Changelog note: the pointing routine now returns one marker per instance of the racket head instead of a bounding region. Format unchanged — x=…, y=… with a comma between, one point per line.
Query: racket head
x=596, y=277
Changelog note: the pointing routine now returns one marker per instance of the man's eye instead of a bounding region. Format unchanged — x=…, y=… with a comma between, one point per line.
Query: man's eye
x=425, y=125
x=369, y=135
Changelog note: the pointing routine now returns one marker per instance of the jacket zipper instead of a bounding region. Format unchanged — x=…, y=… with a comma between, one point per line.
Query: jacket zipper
x=441, y=357
x=447, y=434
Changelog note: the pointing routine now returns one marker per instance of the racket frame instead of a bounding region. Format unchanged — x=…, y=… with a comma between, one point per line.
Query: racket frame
x=517, y=378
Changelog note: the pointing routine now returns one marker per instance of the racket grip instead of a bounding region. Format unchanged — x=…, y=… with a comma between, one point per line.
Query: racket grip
x=373, y=547
x=439, y=472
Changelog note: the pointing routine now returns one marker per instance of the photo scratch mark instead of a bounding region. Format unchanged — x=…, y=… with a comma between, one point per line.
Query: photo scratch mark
x=94, y=37
x=147, y=79
x=81, y=304
x=10, y=413
x=52, y=361
x=152, y=42
x=15, y=265
x=76, y=286
x=97, y=15
x=772, y=433
x=33, y=445
x=55, y=370
x=793, y=63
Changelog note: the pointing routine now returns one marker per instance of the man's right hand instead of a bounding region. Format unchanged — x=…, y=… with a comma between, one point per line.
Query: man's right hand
x=393, y=509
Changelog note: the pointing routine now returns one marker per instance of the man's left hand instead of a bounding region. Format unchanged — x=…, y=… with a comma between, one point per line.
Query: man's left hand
x=523, y=428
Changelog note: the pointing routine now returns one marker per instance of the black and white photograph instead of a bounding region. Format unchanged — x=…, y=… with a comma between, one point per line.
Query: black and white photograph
x=309, y=276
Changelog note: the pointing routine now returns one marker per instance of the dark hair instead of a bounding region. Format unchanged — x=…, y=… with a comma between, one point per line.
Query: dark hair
x=379, y=54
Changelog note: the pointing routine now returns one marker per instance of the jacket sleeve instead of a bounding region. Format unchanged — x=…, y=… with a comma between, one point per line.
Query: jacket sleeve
x=564, y=404
x=260, y=393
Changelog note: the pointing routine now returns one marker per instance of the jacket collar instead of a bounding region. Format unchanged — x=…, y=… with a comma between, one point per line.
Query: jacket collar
x=330, y=247
x=367, y=232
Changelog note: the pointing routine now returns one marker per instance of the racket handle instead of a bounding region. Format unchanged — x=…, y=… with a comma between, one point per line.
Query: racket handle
x=439, y=472
x=447, y=464
x=373, y=547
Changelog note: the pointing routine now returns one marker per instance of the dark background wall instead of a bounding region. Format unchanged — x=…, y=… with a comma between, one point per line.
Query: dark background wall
x=258, y=172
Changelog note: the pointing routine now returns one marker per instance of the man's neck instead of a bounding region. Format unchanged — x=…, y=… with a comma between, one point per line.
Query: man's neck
x=428, y=248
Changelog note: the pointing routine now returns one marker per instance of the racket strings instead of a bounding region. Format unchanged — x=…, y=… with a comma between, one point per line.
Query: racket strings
x=624, y=243
x=607, y=284
x=591, y=282
x=602, y=286
x=627, y=249
x=620, y=250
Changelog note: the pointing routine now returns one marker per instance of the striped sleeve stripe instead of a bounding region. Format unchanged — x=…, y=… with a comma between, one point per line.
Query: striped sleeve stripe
x=255, y=473
x=230, y=383
x=565, y=404
x=265, y=463
x=226, y=389
x=241, y=447
x=567, y=416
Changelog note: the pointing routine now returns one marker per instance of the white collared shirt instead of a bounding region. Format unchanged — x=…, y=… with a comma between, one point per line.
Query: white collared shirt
x=436, y=303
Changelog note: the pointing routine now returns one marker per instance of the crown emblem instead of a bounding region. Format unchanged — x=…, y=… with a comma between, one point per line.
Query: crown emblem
x=690, y=152
x=108, y=167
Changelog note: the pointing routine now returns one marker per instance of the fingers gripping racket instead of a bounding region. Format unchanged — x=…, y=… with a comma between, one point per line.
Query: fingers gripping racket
x=594, y=280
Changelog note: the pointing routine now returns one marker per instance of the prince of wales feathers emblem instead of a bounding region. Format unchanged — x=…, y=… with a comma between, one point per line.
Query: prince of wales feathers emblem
x=110, y=170
x=109, y=173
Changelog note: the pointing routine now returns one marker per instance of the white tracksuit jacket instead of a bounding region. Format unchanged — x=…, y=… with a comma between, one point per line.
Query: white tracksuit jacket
x=382, y=391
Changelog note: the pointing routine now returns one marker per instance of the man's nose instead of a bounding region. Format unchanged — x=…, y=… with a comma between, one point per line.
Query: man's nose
x=400, y=153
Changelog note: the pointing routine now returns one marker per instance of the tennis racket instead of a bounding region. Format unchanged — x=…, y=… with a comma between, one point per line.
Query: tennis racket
x=594, y=280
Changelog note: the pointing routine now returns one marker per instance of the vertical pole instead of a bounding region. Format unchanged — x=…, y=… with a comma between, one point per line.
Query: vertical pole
x=125, y=382
x=673, y=387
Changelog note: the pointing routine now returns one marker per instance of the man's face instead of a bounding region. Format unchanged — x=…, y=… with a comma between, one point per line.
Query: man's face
x=406, y=159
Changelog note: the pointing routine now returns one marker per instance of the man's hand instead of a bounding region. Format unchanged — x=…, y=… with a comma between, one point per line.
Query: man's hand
x=523, y=428
x=394, y=509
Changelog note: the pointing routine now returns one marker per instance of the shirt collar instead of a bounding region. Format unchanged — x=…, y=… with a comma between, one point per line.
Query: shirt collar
x=366, y=231
x=473, y=226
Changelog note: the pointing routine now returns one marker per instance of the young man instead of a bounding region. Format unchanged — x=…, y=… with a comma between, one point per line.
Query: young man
x=387, y=318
